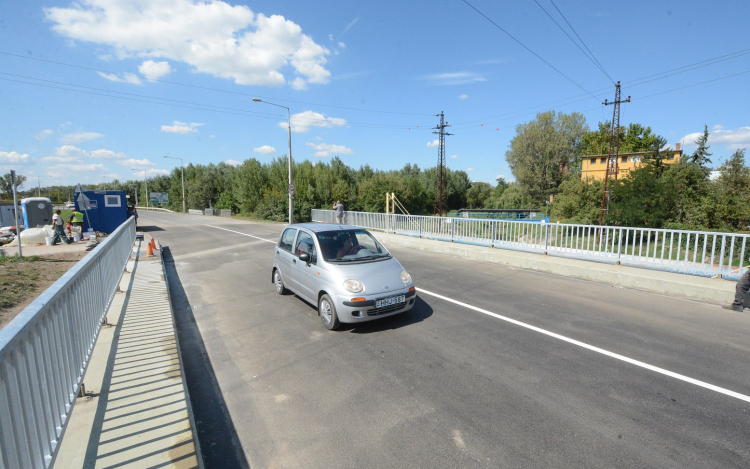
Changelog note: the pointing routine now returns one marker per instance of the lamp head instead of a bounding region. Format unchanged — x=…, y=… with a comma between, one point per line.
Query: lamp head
x=257, y=100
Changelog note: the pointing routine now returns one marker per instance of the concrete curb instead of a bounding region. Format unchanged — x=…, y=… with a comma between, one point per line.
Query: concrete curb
x=678, y=285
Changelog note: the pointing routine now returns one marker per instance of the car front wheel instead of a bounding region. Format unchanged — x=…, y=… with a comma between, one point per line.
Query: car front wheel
x=327, y=312
x=279, y=283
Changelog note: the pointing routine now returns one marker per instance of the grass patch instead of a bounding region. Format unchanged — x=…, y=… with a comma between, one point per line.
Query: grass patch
x=15, y=259
x=17, y=280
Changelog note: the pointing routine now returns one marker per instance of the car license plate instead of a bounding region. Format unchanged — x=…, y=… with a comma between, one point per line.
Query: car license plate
x=390, y=301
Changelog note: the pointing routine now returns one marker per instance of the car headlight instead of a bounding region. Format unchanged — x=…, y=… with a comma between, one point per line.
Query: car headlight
x=405, y=277
x=354, y=286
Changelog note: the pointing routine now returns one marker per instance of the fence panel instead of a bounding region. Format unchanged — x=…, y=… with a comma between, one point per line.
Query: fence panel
x=45, y=350
x=687, y=252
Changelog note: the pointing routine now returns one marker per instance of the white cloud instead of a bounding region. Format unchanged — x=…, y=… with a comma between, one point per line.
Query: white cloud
x=265, y=149
x=181, y=128
x=157, y=172
x=107, y=155
x=43, y=134
x=122, y=78
x=454, y=157
x=456, y=78
x=299, y=84
x=718, y=127
x=79, y=137
x=326, y=149
x=463, y=96
x=733, y=139
x=234, y=162
x=349, y=26
x=433, y=143
x=137, y=163
x=213, y=37
x=68, y=168
x=468, y=170
x=154, y=70
x=12, y=157
x=213, y=136
x=302, y=121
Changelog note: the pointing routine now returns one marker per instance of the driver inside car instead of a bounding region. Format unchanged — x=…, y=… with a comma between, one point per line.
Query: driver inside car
x=345, y=247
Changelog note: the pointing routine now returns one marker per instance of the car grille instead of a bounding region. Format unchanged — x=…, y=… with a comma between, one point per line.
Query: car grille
x=386, y=309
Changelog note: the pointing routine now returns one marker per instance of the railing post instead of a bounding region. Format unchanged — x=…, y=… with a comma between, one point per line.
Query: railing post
x=546, y=237
x=619, y=245
x=421, y=219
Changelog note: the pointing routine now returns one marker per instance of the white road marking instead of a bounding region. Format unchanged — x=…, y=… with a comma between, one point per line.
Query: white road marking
x=243, y=234
x=671, y=374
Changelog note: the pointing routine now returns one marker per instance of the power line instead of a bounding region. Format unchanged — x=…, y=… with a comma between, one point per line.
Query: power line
x=584, y=44
x=525, y=47
x=189, y=105
x=125, y=74
x=590, y=57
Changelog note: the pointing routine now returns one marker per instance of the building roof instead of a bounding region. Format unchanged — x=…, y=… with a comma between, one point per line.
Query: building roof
x=629, y=153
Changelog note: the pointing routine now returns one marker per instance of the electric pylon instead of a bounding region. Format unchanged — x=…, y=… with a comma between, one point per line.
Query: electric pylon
x=614, y=150
x=440, y=179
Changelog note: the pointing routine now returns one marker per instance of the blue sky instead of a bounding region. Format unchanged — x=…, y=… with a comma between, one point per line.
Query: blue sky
x=363, y=80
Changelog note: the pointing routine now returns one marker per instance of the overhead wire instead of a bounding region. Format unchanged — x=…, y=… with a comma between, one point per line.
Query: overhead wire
x=528, y=49
x=219, y=90
x=590, y=57
x=582, y=42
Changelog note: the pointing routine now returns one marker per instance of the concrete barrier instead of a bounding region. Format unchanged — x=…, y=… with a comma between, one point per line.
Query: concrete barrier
x=711, y=290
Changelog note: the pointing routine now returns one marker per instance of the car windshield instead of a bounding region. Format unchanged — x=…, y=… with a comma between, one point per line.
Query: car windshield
x=350, y=246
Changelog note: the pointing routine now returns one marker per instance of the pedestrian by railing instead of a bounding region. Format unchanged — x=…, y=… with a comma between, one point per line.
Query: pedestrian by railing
x=45, y=350
x=703, y=253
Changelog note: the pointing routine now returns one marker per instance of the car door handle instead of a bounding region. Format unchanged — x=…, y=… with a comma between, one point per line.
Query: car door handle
x=294, y=261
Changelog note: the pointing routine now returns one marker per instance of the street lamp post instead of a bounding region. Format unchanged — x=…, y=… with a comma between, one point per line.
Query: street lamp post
x=182, y=167
x=289, y=128
x=114, y=182
x=145, y=180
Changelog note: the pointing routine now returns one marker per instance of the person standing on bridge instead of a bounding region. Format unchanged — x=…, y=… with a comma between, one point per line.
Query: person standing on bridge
x=338, y=211
x=743, y=285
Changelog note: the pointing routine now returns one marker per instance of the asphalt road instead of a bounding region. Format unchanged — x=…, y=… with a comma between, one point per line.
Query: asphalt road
x=446, y=385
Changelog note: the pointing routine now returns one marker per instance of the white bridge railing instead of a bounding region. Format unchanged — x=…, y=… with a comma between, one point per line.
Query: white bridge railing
x=45, y=350
x=703, y=253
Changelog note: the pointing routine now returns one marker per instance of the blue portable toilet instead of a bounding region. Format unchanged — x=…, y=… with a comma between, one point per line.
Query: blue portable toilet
x=36, y=211
x=107, y=210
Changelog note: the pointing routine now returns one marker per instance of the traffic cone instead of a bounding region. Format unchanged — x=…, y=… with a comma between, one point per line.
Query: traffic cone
x=153, y=243
x=149, y=251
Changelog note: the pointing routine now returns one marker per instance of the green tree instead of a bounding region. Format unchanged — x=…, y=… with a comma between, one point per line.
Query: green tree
x=478, y=193
x=733, y=186
x=6, y=184
x=543, y=150
x=701, y=154
x=578, y=201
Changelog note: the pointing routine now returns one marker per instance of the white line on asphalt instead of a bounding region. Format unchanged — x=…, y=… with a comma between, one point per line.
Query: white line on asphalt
x=671, y=374
x=243, y=234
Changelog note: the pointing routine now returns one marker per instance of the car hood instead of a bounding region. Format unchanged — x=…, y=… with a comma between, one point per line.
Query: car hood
x=377, y=277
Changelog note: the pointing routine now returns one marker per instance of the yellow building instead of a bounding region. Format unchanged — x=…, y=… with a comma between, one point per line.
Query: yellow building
x=594, y=167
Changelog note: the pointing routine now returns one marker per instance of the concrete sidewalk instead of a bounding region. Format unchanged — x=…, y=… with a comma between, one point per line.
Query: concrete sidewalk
x=711, y=290
x=136, y=412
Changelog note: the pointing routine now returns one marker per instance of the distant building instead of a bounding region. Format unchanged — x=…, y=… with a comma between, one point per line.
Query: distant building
x=594, y=167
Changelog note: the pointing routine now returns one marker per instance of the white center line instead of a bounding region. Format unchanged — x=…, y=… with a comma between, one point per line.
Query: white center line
x=243, y=234
x=671, y=374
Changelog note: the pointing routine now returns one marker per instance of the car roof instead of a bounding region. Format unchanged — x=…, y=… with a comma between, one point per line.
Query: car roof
x=320, y=227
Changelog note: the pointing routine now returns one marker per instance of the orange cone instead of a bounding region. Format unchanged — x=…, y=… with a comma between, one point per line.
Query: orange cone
x=153, y=243
x=149, y=251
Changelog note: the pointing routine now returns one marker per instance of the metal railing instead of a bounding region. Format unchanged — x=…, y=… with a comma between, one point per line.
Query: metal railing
x=45, y=350
x=703, y=253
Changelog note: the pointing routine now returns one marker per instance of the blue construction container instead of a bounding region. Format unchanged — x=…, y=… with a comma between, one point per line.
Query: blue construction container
x=36, y=211
x=107, y=211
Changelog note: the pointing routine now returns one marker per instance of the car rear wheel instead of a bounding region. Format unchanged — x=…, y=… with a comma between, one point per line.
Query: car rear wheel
x=279, y=283
x=327, y=312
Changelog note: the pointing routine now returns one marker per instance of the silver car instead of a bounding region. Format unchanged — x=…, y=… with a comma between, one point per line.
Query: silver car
x=343, y=270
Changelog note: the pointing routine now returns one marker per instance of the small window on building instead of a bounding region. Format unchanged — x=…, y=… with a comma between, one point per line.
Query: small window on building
x=636, y=159
x=112, y=201
x=592, y=160
x=624, y=159
x=670, y=157
x=603, y=160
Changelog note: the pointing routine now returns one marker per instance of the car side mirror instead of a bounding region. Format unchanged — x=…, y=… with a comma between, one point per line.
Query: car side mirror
x=305, y=257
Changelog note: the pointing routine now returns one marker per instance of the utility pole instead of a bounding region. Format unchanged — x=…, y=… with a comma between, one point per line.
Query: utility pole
x=614, y=150
x=440, y=180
